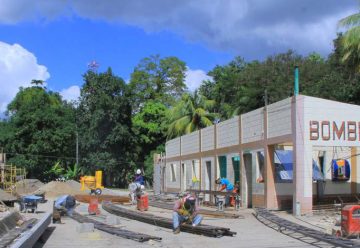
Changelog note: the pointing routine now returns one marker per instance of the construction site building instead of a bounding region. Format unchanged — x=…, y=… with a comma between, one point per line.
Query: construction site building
x=294, y=153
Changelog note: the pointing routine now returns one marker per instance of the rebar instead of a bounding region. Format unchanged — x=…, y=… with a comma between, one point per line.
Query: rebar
x=206, y=230
x=283, y=224
x=140, y=237
x=216, y=214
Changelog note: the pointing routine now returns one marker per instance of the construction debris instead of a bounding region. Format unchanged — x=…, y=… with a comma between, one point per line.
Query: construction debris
x=206, y=230
x=114, y=230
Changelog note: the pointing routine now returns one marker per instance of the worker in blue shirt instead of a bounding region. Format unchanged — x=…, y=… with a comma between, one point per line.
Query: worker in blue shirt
x=224, y=183
x=65, y=203
x=139, y=178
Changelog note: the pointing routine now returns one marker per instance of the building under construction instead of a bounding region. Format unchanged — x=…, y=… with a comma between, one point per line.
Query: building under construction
x=294, y=153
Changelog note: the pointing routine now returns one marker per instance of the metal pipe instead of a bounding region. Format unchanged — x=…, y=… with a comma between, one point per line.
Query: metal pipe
x=296, y=81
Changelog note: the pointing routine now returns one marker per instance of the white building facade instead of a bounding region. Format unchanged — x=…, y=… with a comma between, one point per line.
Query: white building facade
x=277, y=154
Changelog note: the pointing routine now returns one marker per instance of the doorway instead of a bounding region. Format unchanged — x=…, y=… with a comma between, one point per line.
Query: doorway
x=207, y=179
x=248, y=178
x=183, y=177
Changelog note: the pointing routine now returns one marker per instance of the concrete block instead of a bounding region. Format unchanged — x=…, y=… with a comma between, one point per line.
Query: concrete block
x=112, y=220
x=85, y=227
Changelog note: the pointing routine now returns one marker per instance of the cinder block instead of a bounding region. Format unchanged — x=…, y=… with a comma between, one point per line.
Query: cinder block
x=112, y=220
x=85, y=227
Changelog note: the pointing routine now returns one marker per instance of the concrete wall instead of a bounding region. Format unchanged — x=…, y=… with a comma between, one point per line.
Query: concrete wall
x=172, y=148
x=208, y=138
x=228, y=133
x=169, y=183
x=279, y=118
x=252, y=126
x=190, y=143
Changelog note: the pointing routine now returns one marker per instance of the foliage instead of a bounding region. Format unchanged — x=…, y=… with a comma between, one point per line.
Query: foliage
x=72, y=173
x=350, y=41
x=39, y=131
x=150, y=128
x=105, y=127
x=191, y=113
x=160, y=79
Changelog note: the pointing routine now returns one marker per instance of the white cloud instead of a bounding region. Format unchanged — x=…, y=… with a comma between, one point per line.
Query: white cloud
x=246, y=27
x=71, y=94
x=193, y=78
x=18, y=67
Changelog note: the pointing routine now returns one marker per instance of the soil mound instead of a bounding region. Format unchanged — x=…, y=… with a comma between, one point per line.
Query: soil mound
x=28, y=186
x=56, y=188
x=6, y=196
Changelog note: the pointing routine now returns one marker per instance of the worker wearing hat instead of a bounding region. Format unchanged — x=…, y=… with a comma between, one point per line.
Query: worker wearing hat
x=185, y=211
x=139, y=178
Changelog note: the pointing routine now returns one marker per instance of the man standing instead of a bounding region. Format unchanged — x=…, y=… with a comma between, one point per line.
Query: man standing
x=224, y=183
x=185, y=210
x=139, y=178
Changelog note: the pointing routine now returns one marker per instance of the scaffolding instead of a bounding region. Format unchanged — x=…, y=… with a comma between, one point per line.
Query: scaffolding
x=10, y=175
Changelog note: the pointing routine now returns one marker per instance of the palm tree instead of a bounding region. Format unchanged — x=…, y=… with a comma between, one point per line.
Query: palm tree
x=350, y=41
x=191, y=113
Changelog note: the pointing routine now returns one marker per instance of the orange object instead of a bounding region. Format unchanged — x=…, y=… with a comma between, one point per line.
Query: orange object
x=143, y=202
x=350, y=220
x=94, y=206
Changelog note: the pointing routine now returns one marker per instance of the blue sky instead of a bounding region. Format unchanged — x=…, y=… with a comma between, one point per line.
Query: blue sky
x=55, y=40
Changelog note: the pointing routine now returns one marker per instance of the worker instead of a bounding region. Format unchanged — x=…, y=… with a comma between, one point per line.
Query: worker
x=224, y=183
x=65, y=203
x=139, y=178
x=185, y=211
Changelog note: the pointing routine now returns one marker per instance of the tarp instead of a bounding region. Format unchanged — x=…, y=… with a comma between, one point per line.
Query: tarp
x=284, y=166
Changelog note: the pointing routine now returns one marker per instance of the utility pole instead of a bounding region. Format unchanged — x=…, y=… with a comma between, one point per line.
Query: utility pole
x=77, y=148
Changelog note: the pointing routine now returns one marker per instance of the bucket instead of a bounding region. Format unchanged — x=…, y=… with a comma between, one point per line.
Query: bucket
x=143, y=202
x=93, y=206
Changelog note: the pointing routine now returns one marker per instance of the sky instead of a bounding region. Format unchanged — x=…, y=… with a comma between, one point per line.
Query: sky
x=55, y=40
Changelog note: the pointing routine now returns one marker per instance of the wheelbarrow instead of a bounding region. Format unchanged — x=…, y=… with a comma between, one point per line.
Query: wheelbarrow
x=29, y=202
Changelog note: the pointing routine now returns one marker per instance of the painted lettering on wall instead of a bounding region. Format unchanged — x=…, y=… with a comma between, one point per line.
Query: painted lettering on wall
x=335, y=130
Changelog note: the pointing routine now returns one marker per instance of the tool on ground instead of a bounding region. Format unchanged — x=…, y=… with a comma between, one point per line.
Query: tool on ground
x=220, y=202
x=94, y=183
x=93, y=208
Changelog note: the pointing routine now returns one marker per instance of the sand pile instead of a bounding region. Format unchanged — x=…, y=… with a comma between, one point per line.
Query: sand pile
x=6, y=196
x=55, y=188
x=28, y=186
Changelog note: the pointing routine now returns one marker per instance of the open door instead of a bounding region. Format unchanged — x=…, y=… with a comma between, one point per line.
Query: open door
x=183, y=177
x=207, y=180
x=248, y=171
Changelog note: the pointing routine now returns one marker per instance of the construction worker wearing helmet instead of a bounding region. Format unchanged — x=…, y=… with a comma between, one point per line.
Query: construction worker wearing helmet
x=139, y=178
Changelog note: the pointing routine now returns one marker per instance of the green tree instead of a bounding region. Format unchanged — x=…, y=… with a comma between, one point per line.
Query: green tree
x=350, y=41
x=40, y=131
x=160, y=79
x=191, y=113
x=105, y=127
x=150, y=127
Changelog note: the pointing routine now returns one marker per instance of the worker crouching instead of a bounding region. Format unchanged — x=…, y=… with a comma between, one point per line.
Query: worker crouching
x=185, y=211
x=63, y=205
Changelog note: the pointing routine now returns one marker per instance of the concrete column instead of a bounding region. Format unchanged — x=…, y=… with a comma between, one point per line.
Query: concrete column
x=270, y=193
x=302, y=161
x=353, y=163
